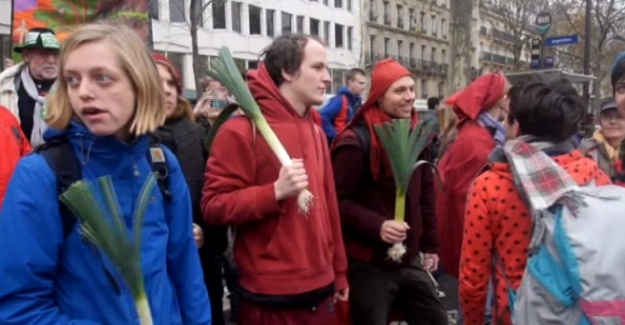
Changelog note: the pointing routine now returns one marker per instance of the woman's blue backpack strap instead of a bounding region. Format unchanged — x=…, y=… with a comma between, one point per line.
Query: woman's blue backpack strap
x=59, y=155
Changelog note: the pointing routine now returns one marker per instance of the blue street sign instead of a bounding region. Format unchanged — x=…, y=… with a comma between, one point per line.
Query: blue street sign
x=549, y=62
x=562, y=40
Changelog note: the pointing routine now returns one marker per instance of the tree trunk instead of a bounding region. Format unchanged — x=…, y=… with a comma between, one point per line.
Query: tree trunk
x=197, y=66
x=461, y=18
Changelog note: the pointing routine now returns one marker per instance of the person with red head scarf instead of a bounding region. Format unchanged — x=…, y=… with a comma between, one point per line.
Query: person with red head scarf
x=480, y=108
x=292, y=266
x=366, y=193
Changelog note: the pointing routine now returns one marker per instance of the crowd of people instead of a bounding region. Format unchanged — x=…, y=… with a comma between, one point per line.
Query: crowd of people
x=101, y=105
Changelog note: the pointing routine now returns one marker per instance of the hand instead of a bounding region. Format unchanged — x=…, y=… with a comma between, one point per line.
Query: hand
x=393, y=232
x=291, y=181
x=341, y=295
x=430, y=262
x=198, y=235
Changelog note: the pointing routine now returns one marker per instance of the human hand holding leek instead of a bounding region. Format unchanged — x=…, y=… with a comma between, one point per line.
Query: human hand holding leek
x=291, y=181
x=393, y=232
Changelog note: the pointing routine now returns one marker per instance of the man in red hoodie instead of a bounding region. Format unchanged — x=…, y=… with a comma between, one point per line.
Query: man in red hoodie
x=292, y=266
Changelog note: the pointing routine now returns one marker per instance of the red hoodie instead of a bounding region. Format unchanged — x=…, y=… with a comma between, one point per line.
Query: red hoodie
x=278, y=251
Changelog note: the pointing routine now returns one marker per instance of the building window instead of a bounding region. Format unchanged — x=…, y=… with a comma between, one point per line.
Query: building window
x=300, y=24
x=219, y=14
x=314, y=27
x=350, y=35
x=178, y=60
x=444, y=27
x=412, y=23
x=255, y=21
x=433, y=54
x=271, y=18
x=236, y=16
x=443, y=56
x=338, y=3
x=412, y=53
x=441, y=90
x=372, y=46
x=338, y=36
x=422, y=14
x=176, y=11
x=400, y=49
x=434, y=26
x=199, y=12
x=424, y=88
x=326, y=32
x=400, y=16
x=423, y=50
x=325, y=2
x=152, y=7
x=287, y=23
x=387, y=15
x=386, y=42
x=349, y=5
x=5, y=50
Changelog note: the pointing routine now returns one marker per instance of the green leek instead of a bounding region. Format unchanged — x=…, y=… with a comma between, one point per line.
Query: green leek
x=226, y=72
x=103, y=225
x=403, y=147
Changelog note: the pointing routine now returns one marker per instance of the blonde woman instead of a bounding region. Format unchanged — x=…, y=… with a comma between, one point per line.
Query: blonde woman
x=109, y=99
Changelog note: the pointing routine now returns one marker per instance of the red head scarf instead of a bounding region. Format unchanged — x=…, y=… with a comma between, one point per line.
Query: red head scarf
x=384, y=74
x=175, y=73
x=480, y=95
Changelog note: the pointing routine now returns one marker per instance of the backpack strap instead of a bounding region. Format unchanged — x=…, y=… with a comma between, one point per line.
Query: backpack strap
x=60, y=156
x=158, y=164
x=362, y=133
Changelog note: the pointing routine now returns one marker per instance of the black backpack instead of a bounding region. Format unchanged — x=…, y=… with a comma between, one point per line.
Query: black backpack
x=59, y=155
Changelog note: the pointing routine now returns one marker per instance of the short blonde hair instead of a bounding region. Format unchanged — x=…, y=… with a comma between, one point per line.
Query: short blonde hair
x=136, y=63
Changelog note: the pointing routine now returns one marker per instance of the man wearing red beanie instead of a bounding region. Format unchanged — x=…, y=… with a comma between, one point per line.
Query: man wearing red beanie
x=366, y=193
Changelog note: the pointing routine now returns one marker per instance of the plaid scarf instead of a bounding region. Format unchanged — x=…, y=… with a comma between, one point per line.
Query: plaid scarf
x=540, y=182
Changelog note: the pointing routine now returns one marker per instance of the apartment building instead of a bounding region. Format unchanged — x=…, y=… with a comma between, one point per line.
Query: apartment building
x=493, y=44
x=414, y=32
x=248, y=26
x=5, y=32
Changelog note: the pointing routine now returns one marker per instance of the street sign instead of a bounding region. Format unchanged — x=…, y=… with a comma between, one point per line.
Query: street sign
x=543, y=22
x=562, y=40
x=535, y=53
x=549, y=62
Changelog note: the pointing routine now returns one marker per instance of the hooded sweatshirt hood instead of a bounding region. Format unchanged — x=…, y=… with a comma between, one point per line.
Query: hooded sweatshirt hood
x=273, y=105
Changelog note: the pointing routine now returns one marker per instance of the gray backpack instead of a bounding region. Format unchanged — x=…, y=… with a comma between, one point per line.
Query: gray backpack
x=577, y=274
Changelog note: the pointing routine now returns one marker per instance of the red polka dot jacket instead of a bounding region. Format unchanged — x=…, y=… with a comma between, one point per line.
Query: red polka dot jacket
x=497, y=219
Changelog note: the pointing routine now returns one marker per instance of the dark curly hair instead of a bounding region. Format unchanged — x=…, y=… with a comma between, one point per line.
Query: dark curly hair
x=547, y=108
x=286, y=54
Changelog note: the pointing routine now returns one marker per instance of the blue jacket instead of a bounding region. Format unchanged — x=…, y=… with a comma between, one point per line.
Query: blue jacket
x=334, y=110
x=45, y=279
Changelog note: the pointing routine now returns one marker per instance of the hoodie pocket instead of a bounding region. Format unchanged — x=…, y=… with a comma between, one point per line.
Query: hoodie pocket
x=299, y=243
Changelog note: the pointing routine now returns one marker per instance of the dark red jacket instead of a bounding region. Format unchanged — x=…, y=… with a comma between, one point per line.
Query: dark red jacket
x=278, y=251
x=365, y=204
x=459, y=166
